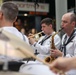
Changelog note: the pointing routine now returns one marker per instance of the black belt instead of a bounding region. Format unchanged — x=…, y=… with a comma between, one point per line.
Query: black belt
x=12, y=66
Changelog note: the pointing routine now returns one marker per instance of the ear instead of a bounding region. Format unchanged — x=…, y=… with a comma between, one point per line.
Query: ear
x=15, y=19
x=50, y=25
x=74, y=23
x=1, y=15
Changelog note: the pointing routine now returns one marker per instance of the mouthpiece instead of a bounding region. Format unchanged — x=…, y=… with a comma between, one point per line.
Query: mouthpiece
x=60, y=29
x=42, y=31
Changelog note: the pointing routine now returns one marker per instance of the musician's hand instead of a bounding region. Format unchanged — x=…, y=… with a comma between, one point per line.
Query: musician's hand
x=56, y=53
x=32, y=40
x=61, y=64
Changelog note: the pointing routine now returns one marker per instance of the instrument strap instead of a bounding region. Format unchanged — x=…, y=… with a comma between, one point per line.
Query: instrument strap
x=45, y=38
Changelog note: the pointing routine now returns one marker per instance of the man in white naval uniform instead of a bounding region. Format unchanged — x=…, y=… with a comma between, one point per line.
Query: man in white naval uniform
x=43, y=45
x=68, y=40
x=8, y=15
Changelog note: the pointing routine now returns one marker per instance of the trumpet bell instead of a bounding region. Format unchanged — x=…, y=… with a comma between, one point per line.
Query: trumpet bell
x=38, y=36
x=49, y=59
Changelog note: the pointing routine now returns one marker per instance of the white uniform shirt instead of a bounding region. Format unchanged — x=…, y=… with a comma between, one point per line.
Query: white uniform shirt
x=44, y=49
x=70, y=51
x=13, y=30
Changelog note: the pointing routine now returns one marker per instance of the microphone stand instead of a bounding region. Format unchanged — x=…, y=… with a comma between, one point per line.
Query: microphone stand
x=36, y=4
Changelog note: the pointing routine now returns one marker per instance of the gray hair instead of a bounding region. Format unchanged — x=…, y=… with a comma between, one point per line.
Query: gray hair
x=73, y=17
x=9, y=10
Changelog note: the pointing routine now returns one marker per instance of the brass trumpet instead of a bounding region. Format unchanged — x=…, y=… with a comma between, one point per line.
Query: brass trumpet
x=36, y=36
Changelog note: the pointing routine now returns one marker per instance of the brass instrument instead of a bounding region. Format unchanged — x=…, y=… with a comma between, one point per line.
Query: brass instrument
x=36, y=36
x=50, y=58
